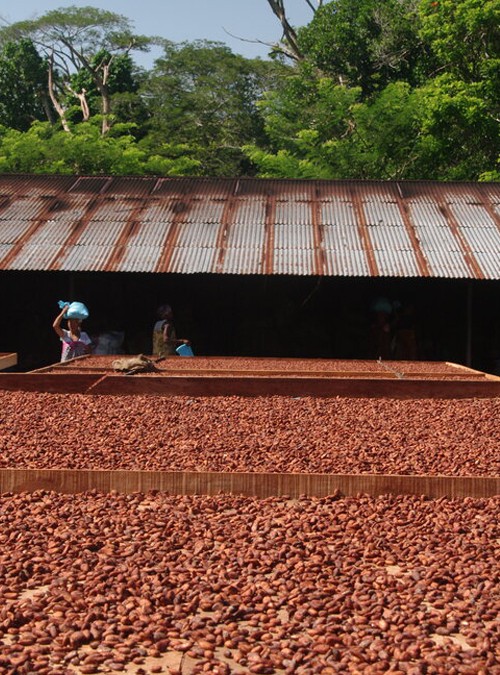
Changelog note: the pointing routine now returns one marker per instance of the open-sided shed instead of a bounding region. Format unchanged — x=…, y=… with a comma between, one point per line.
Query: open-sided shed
x=252, y=266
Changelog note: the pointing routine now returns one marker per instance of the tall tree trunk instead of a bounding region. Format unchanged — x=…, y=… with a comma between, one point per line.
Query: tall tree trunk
x=57, y=106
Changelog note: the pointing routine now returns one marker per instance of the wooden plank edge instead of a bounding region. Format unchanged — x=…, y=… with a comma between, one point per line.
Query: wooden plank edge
x=8, y=360
x=260, y=485
x=236, y=386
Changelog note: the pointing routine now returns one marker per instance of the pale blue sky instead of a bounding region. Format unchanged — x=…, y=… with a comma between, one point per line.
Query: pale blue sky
x=180, y=20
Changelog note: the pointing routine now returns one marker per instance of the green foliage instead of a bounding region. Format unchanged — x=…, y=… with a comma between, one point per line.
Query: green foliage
x=22, y=85
x=77, y=39
x=435, y=117
x=386, y=89
x=46, y=149
x=88, y=29
x=459, y=138
x=364, y=140
x=366, y=43
x=203, y=95
x=464, y=35
x=122, y=81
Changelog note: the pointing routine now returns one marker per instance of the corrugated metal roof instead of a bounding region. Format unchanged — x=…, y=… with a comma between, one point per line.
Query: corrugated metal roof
x=250, y=226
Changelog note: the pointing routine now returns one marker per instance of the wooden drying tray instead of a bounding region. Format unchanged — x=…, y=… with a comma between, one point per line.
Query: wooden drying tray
x=294, y=368
x=98, y=384
x=261, y=485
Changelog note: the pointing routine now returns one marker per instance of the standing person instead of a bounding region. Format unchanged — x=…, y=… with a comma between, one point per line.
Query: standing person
x=75, y=342
x=380, y=329
x=405, y=340
x=165, y=338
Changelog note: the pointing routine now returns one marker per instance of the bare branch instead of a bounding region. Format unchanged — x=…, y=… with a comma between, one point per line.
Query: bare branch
x=273, y=46
x=289, y=33
x=57, y=106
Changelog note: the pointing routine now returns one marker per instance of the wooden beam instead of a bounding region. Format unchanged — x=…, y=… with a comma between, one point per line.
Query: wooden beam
x=259, y=485
x=118, y=385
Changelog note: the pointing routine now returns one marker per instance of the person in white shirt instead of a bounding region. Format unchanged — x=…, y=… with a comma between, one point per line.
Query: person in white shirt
x=75, y=342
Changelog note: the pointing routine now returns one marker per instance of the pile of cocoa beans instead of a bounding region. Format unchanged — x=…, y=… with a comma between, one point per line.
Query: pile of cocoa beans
x=455, y=437
x=150, y=583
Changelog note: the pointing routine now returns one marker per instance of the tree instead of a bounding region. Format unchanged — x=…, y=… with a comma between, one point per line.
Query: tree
x=338, y=135
x=366, y=43
x=462, y=101
x=23, y=94
x=202, y=95
x=70, y=38
x=464, y=36
x=426, y=103
x=45, y=148
x=123, y=86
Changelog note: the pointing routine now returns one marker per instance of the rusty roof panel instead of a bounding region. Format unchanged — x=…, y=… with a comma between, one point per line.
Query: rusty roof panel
x=447, y=264
x=34, y=185
x=198, y=235
x=492, y=192
x=294, y=261
x=68, y=210
x=192, y=260
x=333, y=191
x=92, y=185
x=242, y=261
x=148, y=234
x=443, y=253
x=100, y=233
x=472, y=215
x=37, y=257
x=438, y=243
x=444, y=193
x=249, y=212
x=293, y=237
x=51, y=233
x=346, y=262
x=466, y=194
x=157, y=210
x=338, y=212
x=398, y=263
x=204, y=211
x=488, y=264
x=5, y=249
x=113, y=209
x=131, y=186
x=24, y=208
x=293, y=213
x=383, y=213
x=265, y=226
x=375, y=191
x=140, y=259
x=244, y=236
x=427, y=214
x=11, y=231
x=206, y=188
x=392, y=247
x=93, y=258
x=340, y=237
x=282, y=190
x=388, y=238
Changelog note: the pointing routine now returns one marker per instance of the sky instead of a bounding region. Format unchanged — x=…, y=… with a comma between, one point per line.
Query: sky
x=184, y=20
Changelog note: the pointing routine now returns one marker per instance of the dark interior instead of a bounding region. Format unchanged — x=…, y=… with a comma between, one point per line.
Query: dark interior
x=236, y=315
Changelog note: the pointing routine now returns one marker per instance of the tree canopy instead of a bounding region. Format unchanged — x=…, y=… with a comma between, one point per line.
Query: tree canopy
x=379, y=89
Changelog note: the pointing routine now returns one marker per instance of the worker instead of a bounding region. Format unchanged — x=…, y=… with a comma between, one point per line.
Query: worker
x=165, y=339
x=75, y=342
